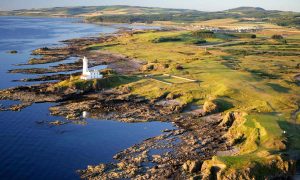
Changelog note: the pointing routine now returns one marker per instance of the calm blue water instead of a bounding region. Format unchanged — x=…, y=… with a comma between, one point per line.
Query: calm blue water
x=33, y=150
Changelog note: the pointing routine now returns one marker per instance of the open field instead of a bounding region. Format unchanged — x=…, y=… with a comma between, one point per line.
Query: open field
x=255, y=76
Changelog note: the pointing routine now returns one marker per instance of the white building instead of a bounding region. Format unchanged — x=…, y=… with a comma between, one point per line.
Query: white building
x=86, y=74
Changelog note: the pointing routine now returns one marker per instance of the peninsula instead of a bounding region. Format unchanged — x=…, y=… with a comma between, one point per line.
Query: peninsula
x=229, y=81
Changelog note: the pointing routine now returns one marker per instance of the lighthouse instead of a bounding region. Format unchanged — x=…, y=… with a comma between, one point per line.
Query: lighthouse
x=85, y=66
x=86, y=74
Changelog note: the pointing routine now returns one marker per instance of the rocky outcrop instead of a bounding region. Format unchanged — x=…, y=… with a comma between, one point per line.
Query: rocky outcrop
x=176, y=154
x=113, y=105
x=13, y=52
x=16, y=107
x=192, y=166
x=230, y=117
x=54, y=69
x=57, y=123
x=170, y=160
x=35, y=93
x=274, y=167
x=210, y=107
x=48, y=59
x=60, y=77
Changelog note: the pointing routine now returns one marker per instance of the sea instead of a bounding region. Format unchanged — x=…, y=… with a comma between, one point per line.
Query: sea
x=32, y=149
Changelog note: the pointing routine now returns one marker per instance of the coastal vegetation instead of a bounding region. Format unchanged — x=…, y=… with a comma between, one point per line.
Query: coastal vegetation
x=234, y=95
x=276, y=17
x=229, y=79
x=110, y=81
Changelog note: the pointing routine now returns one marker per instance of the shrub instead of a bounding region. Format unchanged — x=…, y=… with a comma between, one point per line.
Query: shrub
x=166, y=39
x=154, y=66
x=166, y=65
x=107, y=72
x=277, y=36
x=150, y=67
x=95, y=84
x=200, y=41
x=243, y=35
x=203, y=34
x=179, y=67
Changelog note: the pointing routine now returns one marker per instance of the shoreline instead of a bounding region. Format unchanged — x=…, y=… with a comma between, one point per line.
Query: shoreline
x=119, y=104
x=199, y=135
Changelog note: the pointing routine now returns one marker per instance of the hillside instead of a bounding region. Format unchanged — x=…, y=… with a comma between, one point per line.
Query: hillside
x=282, y=18
x=133, y=14
x=246, y=9
x=136, y=14
x=83, y=11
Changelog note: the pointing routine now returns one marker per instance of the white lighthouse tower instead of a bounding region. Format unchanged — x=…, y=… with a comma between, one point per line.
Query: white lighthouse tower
x=86, y=74
x=85, y=67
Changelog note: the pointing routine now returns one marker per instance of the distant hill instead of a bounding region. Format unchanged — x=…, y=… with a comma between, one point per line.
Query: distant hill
x=246, y=9
x=131, y=14
x=84, y=11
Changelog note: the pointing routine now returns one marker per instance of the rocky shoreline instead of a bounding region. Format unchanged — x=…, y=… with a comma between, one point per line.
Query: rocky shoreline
x=177, y=153
x=181, y=153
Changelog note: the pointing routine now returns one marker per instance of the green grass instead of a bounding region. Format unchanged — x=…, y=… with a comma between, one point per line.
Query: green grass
x=260, y=85
x=271, y=135
x=248, y=90
x=110, y=81
x=170, y=79
x=240, y=161
x=190, y=38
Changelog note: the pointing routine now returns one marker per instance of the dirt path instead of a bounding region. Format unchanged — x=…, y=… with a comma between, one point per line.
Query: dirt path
x=220, y=44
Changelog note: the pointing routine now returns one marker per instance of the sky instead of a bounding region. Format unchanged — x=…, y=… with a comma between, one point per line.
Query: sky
x=203, y=5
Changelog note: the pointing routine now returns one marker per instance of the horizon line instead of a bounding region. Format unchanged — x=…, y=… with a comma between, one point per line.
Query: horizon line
x=51, y=7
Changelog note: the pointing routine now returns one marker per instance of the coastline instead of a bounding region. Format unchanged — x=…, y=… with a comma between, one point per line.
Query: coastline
x=113, y=101
x=119, y=104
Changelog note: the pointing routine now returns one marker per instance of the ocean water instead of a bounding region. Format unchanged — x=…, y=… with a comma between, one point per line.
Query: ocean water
x=30, y=148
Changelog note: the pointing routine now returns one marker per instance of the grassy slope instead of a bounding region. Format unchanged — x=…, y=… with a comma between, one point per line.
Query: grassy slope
x=92, y=11
x=110, y=81
x=260, y=85
x=130, y=14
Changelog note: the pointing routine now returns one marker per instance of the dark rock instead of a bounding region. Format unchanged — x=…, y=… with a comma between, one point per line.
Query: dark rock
x=192, y=166
x=57, y=123
x=13, y=52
